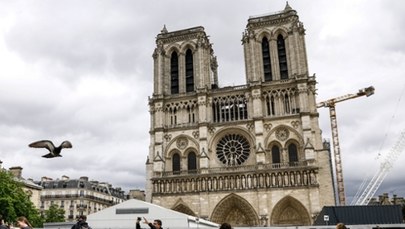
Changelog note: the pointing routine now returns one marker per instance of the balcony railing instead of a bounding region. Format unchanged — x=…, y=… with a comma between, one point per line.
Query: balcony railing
x=81, y=205
x=239, y=169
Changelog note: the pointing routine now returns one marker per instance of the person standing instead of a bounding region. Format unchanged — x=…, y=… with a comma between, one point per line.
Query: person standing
x=157, y=223
x=81, y=223
x=340, y=226
x=23, y=223
x=225, y=226
x=2, y=226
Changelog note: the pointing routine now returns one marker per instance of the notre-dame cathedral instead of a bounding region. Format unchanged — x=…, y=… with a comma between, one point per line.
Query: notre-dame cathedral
x=249, y=155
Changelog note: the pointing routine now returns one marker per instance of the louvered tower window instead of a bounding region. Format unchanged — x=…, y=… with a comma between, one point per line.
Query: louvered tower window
x=282, y=57
x=174, y=73
x=189, y=71
x=266, y=60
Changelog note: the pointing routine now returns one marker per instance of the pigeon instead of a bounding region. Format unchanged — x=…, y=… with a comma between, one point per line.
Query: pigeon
x=53, y=151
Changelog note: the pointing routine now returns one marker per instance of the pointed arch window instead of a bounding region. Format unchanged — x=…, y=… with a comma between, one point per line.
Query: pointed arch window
x=189, y=71
x=266, y=60
x=275, y=155
x=292, y=154
x=192, y=162
x=174, y=73
x=176, y=163
x=282, y=57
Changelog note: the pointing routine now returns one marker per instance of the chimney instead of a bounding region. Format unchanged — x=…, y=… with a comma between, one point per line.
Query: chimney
x=46, y=179
x=84, y=178
x=16, y=171
x=64, y=177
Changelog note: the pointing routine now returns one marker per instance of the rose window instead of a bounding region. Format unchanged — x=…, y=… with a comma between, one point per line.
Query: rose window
x=233, y=149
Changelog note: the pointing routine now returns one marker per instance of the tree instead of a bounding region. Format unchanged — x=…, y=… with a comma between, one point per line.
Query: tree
x=14, y=202
x=54, y=214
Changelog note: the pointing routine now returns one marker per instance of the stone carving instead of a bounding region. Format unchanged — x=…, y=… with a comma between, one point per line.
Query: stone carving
x=168, y=137
x=182, y=143
x=211, y=130
x=295, y=124
x=267, y=127
x=250, y=127
x=282, y=133
x=196, y=134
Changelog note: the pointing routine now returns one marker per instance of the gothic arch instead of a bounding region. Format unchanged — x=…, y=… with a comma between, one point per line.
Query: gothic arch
x=182, y=207
x=280, y=31
x=274, y=143
x=293, y=135
x=289, y=212
x=172, y=48
x=192, y=143
x=264, y=33
x=189, y=150
x=173, y=151
x=194, y=158
x=269, y=154
x=300, y=148
x=188, y=45
x=233, y=130
x=235, y=210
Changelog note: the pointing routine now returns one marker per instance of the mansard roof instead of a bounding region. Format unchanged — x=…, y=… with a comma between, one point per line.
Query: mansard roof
x=82, y=184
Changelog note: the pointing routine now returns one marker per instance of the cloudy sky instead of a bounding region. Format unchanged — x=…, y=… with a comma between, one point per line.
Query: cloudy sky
x=82, y=71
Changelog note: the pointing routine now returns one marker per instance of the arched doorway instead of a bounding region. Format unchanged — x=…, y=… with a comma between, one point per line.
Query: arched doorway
x=290, y=212
x=235, y=210
x=182, y=207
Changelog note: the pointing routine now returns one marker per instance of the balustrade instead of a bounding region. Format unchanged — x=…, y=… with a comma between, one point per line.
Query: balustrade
x=242, y=178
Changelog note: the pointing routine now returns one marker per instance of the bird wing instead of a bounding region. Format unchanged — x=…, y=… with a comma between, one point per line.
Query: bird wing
x=66, y=144
x=49, y=155
x=43, y=144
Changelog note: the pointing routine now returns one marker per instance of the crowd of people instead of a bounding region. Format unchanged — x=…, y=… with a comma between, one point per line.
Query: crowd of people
x=157, y=224
x=23, y=223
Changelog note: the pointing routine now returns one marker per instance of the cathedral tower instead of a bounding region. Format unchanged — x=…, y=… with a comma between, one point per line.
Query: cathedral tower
x=250, y=155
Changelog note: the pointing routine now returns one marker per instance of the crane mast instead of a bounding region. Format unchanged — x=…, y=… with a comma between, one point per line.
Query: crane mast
x=385, y=166
x=335, y=136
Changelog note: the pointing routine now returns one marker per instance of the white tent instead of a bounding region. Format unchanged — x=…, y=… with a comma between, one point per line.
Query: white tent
x=124, y=215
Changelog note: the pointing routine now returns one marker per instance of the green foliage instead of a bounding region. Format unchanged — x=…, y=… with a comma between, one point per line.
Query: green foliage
x=14, y=202
x=54, y=214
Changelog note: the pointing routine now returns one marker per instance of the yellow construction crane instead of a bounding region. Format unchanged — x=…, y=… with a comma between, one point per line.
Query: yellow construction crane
x=335, y=137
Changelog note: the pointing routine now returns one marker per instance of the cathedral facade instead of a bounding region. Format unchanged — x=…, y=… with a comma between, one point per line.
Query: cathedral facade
x=249, y=155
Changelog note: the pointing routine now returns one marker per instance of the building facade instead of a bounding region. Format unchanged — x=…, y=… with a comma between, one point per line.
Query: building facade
x=78, y=196
x=33, y=190
x=250, y=155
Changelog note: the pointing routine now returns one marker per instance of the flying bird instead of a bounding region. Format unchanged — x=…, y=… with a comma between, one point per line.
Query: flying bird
x=53, y=151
